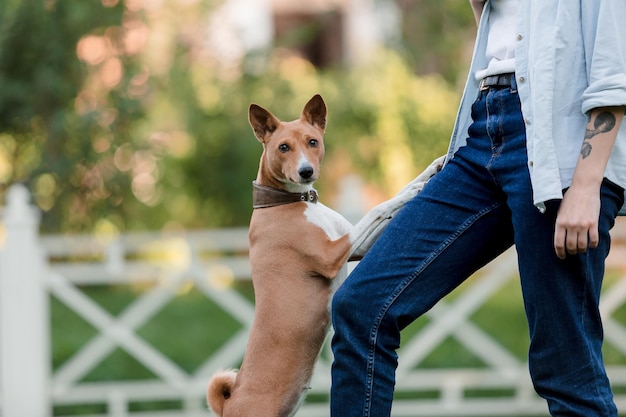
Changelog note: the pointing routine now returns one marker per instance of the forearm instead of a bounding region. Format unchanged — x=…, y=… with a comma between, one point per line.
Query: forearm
x=576, y=227
x=477, y=8
x=601, y=132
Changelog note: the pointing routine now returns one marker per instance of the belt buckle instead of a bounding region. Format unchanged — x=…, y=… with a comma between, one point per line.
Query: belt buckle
x=482, y=86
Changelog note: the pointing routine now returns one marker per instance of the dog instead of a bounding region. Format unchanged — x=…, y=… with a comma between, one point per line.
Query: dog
x=299, y=250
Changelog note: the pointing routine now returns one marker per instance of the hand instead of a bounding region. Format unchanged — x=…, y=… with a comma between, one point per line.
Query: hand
x=576, y=228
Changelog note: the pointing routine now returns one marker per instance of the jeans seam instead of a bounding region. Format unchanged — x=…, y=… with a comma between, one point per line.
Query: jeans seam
x=399, y=290
x=606, y=406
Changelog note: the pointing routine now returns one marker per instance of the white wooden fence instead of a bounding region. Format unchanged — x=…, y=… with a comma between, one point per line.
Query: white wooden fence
x=35, y=268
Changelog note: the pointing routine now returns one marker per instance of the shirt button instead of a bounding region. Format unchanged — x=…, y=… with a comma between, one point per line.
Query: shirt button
x=527, y=121
x=519, y=37
x=530, y=163
x=522, y=80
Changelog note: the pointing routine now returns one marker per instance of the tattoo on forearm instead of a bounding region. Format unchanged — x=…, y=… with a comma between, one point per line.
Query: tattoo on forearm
x=604, y=122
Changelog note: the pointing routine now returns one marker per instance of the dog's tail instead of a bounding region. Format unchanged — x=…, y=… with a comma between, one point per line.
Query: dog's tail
x=220, y=389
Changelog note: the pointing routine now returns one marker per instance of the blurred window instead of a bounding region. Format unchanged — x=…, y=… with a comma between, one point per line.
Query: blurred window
x=317, y=37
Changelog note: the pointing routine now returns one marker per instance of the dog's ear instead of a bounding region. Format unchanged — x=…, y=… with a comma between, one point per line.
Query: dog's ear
x=262, y=121
x=315, y=112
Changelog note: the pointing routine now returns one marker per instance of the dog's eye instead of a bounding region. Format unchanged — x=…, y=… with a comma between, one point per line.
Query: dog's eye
x=283, y=148
x=313, y=143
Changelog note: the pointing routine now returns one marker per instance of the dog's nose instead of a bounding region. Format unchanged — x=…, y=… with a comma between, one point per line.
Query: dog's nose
x=306, y=172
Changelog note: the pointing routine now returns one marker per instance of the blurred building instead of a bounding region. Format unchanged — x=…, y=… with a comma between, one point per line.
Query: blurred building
x=325, y=32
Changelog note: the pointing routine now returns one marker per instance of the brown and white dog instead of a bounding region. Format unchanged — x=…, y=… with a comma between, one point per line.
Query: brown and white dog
x=299, y=250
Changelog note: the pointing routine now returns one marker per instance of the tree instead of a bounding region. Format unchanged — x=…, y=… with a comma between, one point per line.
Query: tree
x=53, y=121
x=117, y=116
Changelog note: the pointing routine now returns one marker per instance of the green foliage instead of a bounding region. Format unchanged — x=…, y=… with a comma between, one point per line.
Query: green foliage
x=433, y=34
x=49, y=122
x=118, y=119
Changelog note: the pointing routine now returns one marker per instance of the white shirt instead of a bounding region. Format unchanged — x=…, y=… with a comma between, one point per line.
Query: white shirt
x=501, y=42
x=570, y=57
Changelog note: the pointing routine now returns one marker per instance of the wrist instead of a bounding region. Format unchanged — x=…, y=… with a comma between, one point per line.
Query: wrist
x=588, y=182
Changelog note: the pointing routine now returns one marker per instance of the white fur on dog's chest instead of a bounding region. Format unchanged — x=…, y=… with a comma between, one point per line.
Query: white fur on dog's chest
x=333, y=223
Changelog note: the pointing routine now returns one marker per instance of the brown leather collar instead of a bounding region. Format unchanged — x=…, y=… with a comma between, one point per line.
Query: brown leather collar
x=264, y=196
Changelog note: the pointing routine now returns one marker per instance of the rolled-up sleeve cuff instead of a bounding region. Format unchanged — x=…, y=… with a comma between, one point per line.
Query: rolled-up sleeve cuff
x=607, y=92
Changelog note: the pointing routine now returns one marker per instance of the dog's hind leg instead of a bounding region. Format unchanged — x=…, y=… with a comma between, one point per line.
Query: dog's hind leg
x=367, y=230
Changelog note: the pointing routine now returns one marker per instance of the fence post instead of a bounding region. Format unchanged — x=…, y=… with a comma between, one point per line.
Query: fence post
x=24, y=312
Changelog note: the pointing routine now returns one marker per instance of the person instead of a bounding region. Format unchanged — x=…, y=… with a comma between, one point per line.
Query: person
x=537, y=159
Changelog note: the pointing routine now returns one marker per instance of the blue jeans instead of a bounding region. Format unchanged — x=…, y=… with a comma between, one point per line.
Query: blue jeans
x=473, y=210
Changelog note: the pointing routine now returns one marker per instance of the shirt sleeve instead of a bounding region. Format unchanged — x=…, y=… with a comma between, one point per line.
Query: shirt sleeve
x=604, y=37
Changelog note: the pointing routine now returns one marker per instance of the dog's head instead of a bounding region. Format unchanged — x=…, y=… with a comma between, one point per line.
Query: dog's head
x=292, y=151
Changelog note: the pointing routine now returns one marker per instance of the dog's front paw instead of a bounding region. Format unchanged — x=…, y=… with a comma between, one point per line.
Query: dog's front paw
x=366, y=231
x=420, y=181
x=367, y=238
